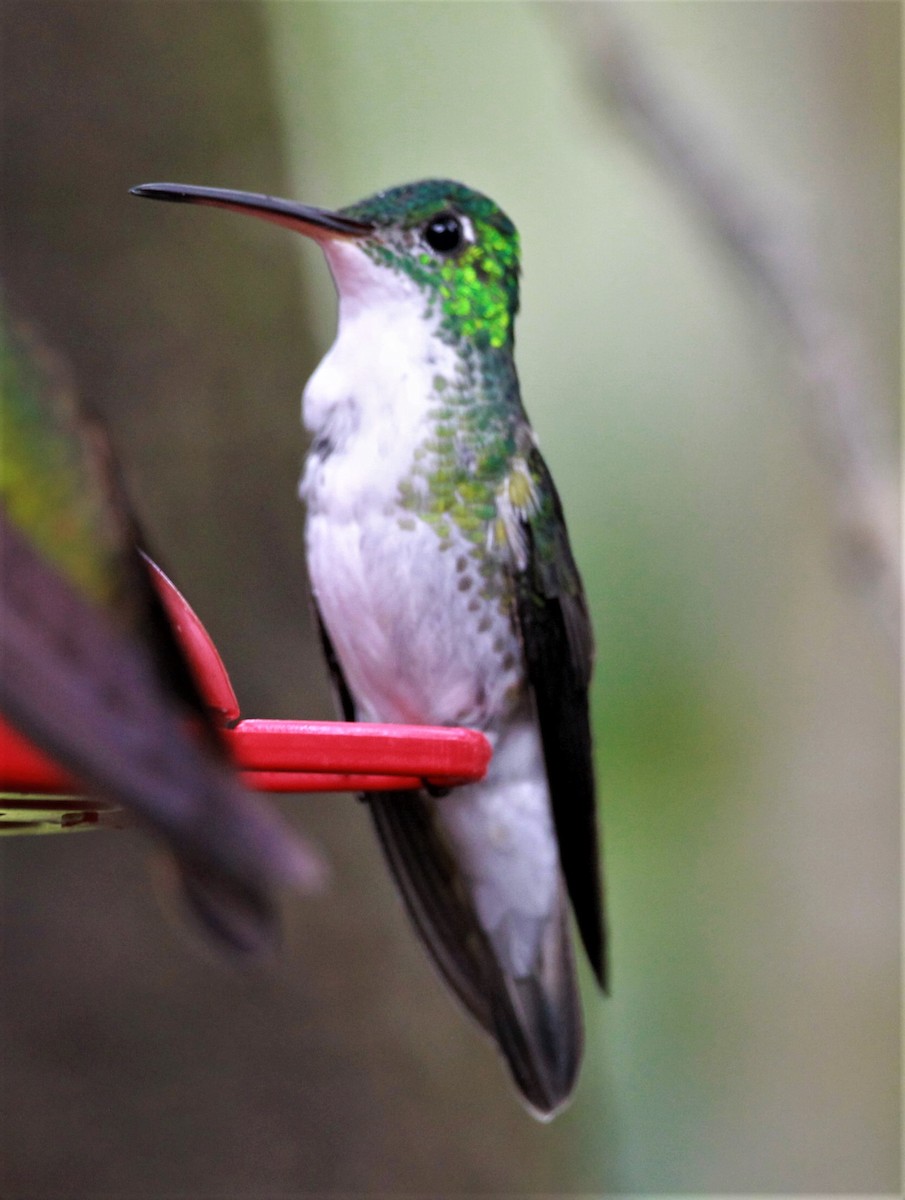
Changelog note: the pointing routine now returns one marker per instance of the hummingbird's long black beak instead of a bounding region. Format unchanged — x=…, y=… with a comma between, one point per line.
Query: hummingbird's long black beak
x=315, y=223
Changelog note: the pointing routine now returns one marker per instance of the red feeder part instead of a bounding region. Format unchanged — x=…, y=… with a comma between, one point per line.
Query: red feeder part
x=341, y=756
x=272, y=756
x=198, y=647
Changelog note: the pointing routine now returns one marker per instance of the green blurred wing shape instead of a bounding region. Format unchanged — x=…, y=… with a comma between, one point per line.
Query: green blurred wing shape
x=89, y=667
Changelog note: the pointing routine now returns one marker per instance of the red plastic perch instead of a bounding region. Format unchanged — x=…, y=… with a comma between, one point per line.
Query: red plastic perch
x=279, y=756
x=297, y=756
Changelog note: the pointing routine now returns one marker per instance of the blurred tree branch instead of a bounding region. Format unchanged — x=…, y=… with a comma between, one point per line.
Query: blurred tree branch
x=774, y=247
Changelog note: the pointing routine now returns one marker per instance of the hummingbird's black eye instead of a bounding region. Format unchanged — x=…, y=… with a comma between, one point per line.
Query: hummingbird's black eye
x=444, y=233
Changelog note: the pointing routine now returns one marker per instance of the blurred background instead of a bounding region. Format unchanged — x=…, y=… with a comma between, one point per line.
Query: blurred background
x=746, y=701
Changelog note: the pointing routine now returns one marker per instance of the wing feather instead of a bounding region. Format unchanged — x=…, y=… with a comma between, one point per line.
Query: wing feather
x=558, y=644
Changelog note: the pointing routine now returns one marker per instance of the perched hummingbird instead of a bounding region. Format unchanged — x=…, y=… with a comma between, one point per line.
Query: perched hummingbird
x=447, y=594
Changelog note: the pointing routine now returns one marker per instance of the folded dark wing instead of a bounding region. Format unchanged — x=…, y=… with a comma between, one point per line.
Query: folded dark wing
x=559, y=649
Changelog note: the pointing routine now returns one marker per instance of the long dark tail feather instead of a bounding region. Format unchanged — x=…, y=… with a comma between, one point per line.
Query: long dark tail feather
x=547, y=1007
x=535, y=1020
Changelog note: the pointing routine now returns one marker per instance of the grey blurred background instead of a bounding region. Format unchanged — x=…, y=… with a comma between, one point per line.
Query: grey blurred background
x=746, y=695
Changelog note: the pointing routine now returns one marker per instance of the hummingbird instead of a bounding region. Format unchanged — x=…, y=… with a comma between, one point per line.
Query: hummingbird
x=91, y=669
x=446, y=592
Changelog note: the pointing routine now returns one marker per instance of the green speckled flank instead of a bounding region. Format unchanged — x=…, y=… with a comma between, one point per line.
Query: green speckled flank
x=470, y=472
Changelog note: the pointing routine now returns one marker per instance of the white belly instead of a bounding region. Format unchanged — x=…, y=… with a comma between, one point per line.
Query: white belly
x=411, y=652
x=416, y=640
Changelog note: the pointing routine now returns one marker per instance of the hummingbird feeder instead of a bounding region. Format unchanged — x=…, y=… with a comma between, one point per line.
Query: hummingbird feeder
x=270, y=755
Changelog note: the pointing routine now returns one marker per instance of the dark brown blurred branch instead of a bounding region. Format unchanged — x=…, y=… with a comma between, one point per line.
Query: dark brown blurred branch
x=774, y=248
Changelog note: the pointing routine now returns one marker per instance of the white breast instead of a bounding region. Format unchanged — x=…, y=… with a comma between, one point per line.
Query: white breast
x=369, y=398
